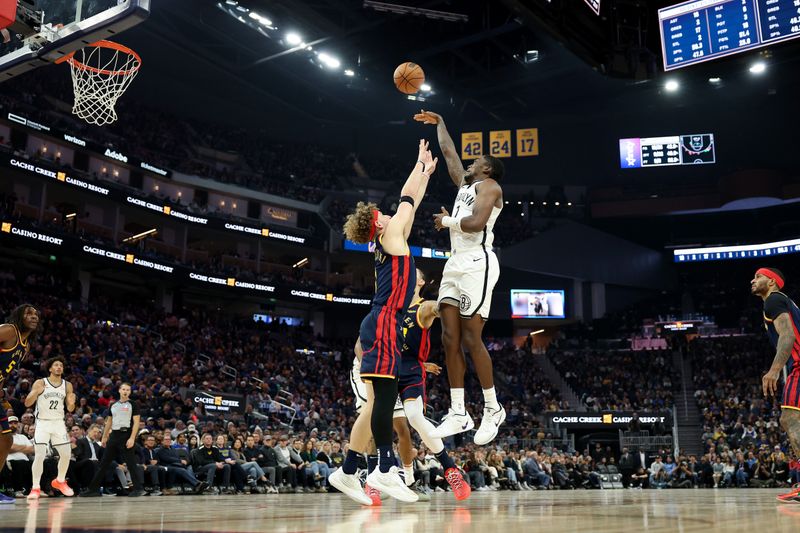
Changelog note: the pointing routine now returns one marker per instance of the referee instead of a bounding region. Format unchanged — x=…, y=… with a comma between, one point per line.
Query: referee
x=123, y=426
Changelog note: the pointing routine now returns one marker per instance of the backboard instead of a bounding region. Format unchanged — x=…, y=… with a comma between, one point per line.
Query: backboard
x=46, y=30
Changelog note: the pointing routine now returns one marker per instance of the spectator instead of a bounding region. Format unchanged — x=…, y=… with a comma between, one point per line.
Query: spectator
x=290, y=466
x=18, y=462
x=176, y=467
x=148, y=459
x=251, y=468
x=208, y=464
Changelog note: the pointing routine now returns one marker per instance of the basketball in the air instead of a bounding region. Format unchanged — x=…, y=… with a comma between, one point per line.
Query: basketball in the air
x=408, y=78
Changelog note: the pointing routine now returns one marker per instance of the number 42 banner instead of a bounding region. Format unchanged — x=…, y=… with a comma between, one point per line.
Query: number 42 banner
x=471, y=145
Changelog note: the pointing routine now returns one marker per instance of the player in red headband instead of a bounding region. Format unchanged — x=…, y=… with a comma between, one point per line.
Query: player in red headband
x=781, y=318
x=381, y=332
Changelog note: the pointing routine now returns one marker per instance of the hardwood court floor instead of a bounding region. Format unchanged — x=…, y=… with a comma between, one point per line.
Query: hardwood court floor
x=683, y=511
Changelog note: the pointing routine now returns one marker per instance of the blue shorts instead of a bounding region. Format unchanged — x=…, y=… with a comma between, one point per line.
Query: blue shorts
x=411, y=380
x=381, y=335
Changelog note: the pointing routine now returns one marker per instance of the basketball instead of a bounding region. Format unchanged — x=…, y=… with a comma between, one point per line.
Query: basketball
x=408, y=78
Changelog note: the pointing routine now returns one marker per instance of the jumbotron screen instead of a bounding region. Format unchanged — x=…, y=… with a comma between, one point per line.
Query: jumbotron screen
x=692, y=149
x=537, y=303
x=701, y=30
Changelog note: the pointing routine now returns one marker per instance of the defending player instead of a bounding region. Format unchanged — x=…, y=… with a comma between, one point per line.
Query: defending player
x=16, y=337
x=399, y=424
x=471, y=272
x=51, y=396
x=381, y=332
x=781, y=319
x=417, y=321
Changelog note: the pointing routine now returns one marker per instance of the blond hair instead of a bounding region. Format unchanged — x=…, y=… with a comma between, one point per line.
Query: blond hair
x=358, y=225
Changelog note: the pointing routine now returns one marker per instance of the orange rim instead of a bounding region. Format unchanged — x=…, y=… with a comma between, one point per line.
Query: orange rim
x=70, y=58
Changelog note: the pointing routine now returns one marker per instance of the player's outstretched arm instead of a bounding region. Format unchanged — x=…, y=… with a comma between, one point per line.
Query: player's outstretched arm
x=36, y=390
x=488, y=195
x=446, y=145
x=397, y=231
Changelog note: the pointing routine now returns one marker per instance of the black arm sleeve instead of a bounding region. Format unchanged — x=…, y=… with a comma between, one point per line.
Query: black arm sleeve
x=134, y=410
x=775, y=305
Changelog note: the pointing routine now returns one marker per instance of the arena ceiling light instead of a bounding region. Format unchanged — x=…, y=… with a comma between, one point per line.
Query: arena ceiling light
x=329, y=61
x=426, y=87
x=261, y=19
x=758, y=67
x=672, y=86
x=300, y=264
x=349, y=72
x=714, y=81
x=293, y=39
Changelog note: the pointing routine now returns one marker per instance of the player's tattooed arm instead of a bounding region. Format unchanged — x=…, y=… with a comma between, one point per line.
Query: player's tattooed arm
x=454, y=166
x=786, y=340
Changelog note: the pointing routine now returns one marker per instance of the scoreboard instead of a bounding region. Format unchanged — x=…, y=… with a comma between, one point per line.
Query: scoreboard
x=664, y=151
x=701, y=30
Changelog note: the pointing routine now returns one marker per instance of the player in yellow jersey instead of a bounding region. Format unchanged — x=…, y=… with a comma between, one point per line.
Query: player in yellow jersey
x=15, y=340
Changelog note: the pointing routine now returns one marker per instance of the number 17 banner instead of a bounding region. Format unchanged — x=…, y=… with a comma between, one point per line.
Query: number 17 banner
x=527, y=142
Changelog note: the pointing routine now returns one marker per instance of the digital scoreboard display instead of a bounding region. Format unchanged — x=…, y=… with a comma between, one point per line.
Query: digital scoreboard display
x=701, y=30
x=664, y=151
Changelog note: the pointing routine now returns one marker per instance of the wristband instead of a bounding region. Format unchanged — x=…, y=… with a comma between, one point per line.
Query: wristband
x=451, y=222
x=421, y=163
x=408, y=199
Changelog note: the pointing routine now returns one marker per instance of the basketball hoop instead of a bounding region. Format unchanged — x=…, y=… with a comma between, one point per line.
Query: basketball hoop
x=101, y=72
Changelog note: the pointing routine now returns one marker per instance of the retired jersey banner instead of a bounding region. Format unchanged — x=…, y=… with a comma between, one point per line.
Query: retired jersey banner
x=527, y=142
x=606, y=419
x=471, y=145
x=500, y=143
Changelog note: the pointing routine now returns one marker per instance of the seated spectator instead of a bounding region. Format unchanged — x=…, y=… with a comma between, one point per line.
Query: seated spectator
x=533, y=474
x=238, y=475
x=17, y=473
x=152, y=470
x=208, y=465
x=254, y=472
x=177, y=468
x=287, y=466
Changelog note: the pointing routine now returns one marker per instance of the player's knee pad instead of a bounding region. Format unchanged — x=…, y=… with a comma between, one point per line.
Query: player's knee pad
x=414, y=413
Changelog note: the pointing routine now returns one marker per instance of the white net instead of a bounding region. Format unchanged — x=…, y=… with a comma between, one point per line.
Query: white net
x=100, y=75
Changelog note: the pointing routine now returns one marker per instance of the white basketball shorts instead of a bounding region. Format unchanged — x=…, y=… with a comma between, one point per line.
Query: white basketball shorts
x=469, y=278
x=52, y=432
